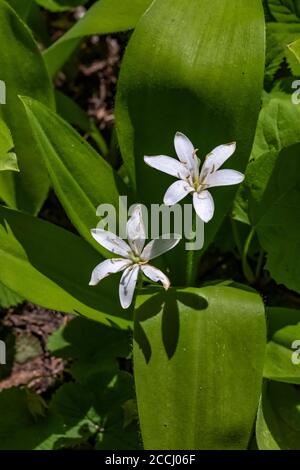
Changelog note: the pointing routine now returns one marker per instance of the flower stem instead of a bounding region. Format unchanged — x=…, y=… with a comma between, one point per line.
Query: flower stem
x=248, y=273
x=191, y=261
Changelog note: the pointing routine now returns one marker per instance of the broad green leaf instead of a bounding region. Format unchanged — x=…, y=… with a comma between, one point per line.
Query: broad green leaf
x=198, y=359
x=24, y=72
x=279, y=364
x=104, y=17
x=81, y=178
x=273, y=182
x=8, y=159
x=176, y=76
x=60, y=5
x=95, y=348
x=278, y=421
x=51, y=267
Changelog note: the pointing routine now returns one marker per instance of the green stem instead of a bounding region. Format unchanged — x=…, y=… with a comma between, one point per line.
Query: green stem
x=191, y=262
x=259, y=263
x=248, y=273
x=236, y=237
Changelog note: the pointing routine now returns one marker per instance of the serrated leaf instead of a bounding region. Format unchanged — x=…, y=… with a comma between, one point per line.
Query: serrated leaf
x=96, y=410
x=273, y=182
x=95, y=348
x=285, y=11
x=30, y=432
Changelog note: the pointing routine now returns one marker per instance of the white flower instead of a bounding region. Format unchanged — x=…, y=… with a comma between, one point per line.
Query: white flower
x=134, y=256
x=193, y=180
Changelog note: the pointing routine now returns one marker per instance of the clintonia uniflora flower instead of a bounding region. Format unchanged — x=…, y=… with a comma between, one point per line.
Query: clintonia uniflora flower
x=192, y=179
x=134, y=256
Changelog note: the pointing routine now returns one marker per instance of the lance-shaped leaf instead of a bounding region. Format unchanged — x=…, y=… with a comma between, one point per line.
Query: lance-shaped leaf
x=105, y=16
x=198, y=359
x=24, y=72
x=81, y=178
x=178, y=75
x=51, y=267
x=278, y=420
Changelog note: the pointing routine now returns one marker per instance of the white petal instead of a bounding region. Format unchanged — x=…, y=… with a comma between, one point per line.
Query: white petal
x=204, y=205
x=107, y=267
x=168, y=165
x=111, y=242
x=186, y=152
x=127, y=285
x=176, y=192
x=159, y=246
x=215, y=159
x=224, y=178
x=136, y=230
x=156, y=275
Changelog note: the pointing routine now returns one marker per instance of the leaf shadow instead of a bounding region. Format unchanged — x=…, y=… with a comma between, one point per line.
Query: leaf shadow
x=168, y=304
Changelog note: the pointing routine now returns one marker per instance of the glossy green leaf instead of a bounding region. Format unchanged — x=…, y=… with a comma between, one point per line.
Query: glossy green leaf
x=281, y=362
x=24, y=72
x=176, y=76
x=81, y=178
x=278, y=421
x=198, y=359
x=51, y=267
x=273, y=182
x=104, y=17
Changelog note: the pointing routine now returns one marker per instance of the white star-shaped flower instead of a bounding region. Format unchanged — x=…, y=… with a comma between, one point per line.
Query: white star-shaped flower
x=192, y=179
x=134, y=256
